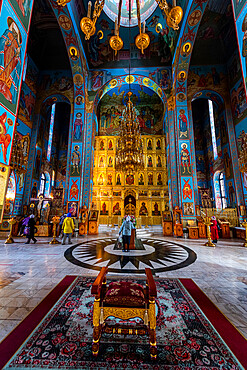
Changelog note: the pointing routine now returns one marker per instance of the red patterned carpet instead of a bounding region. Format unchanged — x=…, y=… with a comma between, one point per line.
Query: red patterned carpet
x=191, y=333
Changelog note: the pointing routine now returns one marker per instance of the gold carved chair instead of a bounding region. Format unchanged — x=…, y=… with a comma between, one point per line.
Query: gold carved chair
x=124, y=300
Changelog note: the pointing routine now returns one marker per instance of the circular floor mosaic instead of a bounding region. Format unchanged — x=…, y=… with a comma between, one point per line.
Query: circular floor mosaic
x=159, y=255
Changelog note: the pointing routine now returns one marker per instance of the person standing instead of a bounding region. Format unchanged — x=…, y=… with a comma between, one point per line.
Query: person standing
x=126, y=228
x=31, y=225
x=61, y=220
x=214, y=229
x=68, y=228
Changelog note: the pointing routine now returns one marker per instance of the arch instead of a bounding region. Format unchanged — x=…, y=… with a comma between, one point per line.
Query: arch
x=213, y=95
x=55, y=98
x=133, y=79
x=127, y=79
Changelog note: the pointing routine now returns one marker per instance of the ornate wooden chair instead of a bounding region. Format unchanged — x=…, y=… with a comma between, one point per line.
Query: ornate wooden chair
x=124, y=300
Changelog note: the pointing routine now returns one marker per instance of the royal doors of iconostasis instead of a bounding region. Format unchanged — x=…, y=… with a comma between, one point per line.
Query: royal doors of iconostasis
x=130, y=204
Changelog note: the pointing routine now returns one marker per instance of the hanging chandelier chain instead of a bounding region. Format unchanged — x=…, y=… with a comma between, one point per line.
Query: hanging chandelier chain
x=173, y=15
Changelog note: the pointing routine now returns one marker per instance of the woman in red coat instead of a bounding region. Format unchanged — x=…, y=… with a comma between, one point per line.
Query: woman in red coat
x=214, y=229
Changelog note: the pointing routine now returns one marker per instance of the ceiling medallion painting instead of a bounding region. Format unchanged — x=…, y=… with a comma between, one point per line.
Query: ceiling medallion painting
x=173, y=16
x=146, y=9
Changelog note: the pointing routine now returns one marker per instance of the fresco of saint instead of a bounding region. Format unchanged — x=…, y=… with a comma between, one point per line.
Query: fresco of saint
x=10, y=61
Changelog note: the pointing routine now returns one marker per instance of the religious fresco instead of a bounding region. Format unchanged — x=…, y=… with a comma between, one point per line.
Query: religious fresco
x=241, y=130
x=241, y=26
x=207, y=77
x=78, y=126
x=158, y=79
x=74, y=187
x=76, y=158
x=12, y=52
x=6, y=137
x=10, y=195
x=238, y=102
x=185, y=158
x=53, y=82
x=32, y=74
x=160, y=52
x=234, y=69
x=23, y=9
x=217, y=20
x=23, y=136
x=148, y=105
x=26, y=105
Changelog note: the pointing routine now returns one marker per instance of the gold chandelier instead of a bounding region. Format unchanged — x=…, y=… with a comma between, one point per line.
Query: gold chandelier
x=242, y=160
x=173, y=14
x=129, y=154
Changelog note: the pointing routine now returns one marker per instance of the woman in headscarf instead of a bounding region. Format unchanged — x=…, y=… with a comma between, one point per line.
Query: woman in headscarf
x=126, y=228
x=68, y=228
x=214, y=229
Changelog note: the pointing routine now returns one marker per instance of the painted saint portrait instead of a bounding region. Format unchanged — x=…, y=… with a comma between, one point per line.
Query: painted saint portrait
x=75, y=169
x=183, y=132
x=10, y=61
x=185, y=160
x=78, y=126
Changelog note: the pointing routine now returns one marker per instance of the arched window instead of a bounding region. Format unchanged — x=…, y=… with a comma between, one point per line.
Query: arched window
x=42, y=184
x=212, y=126
x=51, y=131
x=222, y=190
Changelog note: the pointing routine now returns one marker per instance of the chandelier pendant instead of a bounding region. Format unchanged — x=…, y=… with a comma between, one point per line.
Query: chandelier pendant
x=129, y=154
x=87, y=24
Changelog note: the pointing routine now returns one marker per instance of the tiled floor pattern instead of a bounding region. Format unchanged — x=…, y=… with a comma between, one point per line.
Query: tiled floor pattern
x=29, y=272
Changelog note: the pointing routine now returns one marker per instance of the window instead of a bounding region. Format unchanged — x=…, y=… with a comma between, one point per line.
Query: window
x=42, y=184
x=51, y=131
x=212, y=126
x=222, y=190
x=53, y=178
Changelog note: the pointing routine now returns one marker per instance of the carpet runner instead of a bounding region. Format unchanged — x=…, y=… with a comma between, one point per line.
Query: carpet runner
x=191, y=333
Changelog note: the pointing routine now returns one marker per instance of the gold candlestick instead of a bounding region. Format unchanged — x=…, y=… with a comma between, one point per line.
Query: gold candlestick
x=207, y=222
x=55, y=221
x=10, y=240
x=244, y=224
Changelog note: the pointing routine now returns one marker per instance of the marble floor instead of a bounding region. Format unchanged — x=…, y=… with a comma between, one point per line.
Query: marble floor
x=29, y=272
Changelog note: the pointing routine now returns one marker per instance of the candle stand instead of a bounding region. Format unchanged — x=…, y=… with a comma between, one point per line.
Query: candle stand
x=244, y=224
x=207, y=222
x=55, y=221
x=10, y=240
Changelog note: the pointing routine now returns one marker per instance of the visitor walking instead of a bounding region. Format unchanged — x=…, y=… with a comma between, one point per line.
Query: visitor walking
x=31, y=226
x=214, y=229
x=68, y=228
x=126, y=228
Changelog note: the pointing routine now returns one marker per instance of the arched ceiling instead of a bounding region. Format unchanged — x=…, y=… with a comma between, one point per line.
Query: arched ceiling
x=45, y=44
x=98, y=51
x=216, y=39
